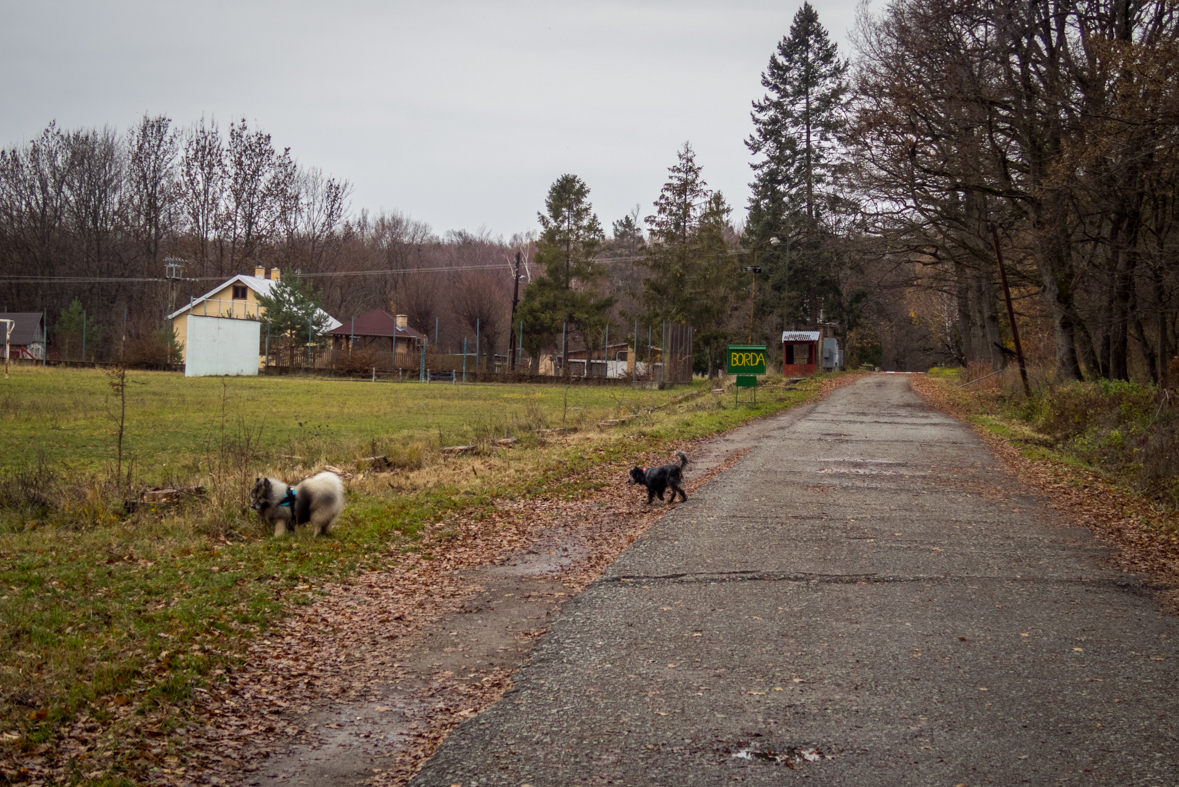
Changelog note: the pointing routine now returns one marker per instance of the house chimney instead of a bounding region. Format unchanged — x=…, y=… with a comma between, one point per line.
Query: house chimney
x=259, y=272
x=275, y=274
x=402, y=320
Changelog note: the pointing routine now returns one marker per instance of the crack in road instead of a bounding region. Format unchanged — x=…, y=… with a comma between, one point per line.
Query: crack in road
x=874, y=579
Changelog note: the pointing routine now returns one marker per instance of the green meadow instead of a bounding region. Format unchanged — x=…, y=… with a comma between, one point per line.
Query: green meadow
x=171, y=421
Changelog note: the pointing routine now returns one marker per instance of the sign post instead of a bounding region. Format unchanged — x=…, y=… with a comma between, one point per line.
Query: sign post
x=746, y=361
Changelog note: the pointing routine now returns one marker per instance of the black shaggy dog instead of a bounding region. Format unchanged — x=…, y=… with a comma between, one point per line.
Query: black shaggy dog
x=658, y=479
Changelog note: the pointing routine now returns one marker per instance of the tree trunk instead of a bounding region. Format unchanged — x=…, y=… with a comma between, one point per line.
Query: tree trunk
x=1054, y=263
x=966, y=327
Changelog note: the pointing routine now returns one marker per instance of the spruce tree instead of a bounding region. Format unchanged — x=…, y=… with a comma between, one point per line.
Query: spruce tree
x=796, y=125
x=293, y=313
x=671, y=256
x=796, y=148
x=567, y=294
x=693, y=277
x=716, y=286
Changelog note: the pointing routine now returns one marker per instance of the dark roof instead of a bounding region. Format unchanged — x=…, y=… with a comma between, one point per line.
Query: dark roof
x=378, y=322
x=28, y=328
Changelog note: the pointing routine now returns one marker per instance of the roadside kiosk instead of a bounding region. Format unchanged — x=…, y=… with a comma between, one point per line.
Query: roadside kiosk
x=746, y=361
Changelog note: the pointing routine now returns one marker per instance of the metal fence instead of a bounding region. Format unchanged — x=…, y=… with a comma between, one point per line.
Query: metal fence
x=658, y=354
x=663, y=356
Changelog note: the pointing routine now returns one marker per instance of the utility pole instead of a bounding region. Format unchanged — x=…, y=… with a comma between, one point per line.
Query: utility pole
x=752, y=298
x=173, y=268
x=1023, y=370
x=753, y=269
x=515, y=300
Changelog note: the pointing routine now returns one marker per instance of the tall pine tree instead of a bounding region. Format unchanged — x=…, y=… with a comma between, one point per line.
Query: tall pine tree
x=693, y=277
x=671, y=257
x=566, y=296
x=796, y=145
x=797, y=124
x=717, y=285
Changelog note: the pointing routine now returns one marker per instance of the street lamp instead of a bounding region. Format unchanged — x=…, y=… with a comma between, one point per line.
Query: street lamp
x=773, y=241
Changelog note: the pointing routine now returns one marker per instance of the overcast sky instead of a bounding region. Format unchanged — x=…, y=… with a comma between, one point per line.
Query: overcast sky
x=457, y=113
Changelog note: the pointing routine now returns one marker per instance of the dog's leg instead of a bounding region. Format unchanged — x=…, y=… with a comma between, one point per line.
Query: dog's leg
x=283, y=521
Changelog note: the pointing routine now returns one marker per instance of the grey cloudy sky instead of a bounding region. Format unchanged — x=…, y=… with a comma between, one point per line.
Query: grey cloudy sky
x=457, y=113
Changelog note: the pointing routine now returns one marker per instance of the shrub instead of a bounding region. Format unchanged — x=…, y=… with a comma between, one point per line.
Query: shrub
x=360, y=362
x=1067, y=411
x=32, y=490
x=1159, y=458
x=1122, y=428
x=152, y=348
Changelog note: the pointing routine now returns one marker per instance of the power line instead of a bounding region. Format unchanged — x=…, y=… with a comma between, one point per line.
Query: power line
x=324, y=275
x=330, y=274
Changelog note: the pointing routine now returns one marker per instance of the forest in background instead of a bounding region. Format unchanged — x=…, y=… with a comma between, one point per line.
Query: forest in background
x=882, y=187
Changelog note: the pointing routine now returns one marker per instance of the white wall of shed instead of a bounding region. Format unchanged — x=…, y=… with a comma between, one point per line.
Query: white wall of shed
x=218, y=346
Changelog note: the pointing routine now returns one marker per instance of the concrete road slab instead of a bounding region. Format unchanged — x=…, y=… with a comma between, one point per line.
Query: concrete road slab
x=866, y=599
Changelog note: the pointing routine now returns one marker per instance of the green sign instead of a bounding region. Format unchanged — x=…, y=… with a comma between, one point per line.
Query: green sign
x=746, y=382
x=745, y=359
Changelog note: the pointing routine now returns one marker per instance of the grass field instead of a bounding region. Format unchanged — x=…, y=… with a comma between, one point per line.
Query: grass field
x=171, y=421
x=116, y=617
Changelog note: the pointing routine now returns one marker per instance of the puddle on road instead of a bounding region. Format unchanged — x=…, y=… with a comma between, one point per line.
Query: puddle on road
x=790, y=756
x=871, y=471
x=856, y=460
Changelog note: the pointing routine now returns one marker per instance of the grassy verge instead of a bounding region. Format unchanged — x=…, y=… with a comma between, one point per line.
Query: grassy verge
x=119, y=618
x=1126, y=432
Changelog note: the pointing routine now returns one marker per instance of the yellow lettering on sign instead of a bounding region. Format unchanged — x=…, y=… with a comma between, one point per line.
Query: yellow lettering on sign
x=747, y=359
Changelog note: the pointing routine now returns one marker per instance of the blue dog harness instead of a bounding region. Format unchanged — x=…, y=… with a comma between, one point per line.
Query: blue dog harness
x=289, y=500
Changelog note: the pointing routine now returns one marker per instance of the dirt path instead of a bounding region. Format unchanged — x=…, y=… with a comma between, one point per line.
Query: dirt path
x=361, y=686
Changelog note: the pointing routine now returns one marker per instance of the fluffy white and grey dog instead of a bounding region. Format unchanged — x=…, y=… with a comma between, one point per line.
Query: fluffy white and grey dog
x=318, y=500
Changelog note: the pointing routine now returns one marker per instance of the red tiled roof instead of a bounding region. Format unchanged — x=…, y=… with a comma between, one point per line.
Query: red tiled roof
x=378, y=322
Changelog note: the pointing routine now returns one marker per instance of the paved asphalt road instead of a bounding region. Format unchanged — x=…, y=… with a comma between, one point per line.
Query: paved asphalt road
x=866, y=599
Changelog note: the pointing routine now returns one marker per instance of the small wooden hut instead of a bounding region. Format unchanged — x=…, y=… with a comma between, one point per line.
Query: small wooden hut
x=800, y=353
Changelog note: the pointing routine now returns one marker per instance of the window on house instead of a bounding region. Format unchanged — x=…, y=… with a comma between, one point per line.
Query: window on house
x=239, y=292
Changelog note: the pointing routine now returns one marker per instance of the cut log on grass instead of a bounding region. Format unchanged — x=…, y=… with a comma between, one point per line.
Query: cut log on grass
x=163, y=496
x=171, y=494
x=611, y=423
x=377, y=464
x=343, y=474
x=457, y=450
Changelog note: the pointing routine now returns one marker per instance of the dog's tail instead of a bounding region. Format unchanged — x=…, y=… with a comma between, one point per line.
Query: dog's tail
x=683, y=459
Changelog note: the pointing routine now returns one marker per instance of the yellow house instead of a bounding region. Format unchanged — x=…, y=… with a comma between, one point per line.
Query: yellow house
x=236, y=299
